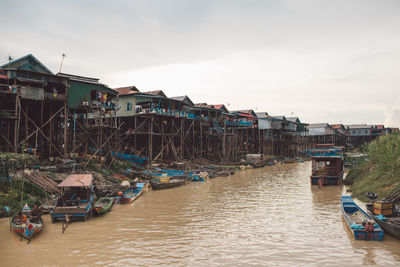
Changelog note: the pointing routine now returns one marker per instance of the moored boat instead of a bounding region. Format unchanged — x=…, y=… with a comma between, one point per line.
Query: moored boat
x=390, y=225
x=131, y=194
x=327, y=166
x=25, y=224
x=103, y=205
x=168, y=182
x=47, y=206
x=76, y=200
x=197, y=178
x=385, y=212
x=362, y=225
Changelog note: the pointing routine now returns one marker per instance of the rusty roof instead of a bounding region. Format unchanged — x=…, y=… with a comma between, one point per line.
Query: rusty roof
x=337, y=126
x=157, y=92
x=77, y=180
x=204, y=105
x=127, y=90
x=221, y=107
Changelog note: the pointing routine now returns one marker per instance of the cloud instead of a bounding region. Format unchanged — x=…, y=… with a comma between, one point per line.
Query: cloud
x=323, y=60
x=392, y=117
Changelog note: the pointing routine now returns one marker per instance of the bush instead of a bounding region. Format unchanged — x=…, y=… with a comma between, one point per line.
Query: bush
x=382, y=173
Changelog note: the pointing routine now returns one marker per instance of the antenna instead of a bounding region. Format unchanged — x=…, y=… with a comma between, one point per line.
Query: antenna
x=62, y=60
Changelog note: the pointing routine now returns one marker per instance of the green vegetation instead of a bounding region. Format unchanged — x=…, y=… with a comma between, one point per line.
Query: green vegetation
x=381, y=173
x=11, y=188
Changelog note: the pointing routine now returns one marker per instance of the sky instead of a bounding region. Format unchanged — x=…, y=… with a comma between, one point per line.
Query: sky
x=322, y=61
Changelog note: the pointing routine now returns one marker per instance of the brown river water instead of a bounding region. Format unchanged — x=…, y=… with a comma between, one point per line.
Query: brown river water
x=265, y=217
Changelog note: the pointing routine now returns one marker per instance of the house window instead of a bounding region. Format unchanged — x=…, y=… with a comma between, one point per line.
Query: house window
x=128, y=106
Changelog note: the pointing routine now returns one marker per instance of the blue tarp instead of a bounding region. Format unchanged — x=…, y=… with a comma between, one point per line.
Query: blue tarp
x=381, y=217
x=355, y=226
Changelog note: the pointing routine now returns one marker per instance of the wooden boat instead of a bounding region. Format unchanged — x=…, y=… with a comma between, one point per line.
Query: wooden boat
x=385, y=212
x=359, y=222
x=197, y=178
x=260, y=163
x=168, y=182
x=47, y=206
x=76, y=200
x=390, y=225
x=29, y=228
x=131, y=194
x=103, y=205
x=327, y=166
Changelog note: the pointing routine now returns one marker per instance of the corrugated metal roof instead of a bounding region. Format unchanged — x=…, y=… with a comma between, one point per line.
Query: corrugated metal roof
x=127, y=90
x=359, y=126
x=318, y=125
x=283, y=118
x=204, y=105
x=245, y=111
x=79, y=78
x=261, y=114
x=337, y=126
x=18, y=63
x=157, y=92
x=221, y=107
x=293, y=119
x=183, y=98
x=77, y=180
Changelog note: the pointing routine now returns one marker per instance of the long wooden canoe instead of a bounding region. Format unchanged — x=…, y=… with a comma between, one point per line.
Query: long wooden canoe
x=362, y=225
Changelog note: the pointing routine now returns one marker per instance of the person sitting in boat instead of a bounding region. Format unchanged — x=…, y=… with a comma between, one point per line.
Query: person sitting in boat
x=24, y=219
x=35, y=213
x=25, y=213
x=18, y=218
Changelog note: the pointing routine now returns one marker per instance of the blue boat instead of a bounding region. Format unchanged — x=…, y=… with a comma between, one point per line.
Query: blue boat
x=76, y=200
x=172, y=172
x=197, y=178
x=359, y=222
x=131, y=194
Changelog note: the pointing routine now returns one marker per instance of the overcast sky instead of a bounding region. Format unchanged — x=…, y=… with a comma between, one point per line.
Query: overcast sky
x=323, y=61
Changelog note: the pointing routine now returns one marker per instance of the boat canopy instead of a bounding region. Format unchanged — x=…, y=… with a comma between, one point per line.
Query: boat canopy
x=77, y=180
x=326, y=153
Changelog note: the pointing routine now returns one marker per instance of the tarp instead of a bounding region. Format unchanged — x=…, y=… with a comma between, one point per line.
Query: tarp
x=77, y=180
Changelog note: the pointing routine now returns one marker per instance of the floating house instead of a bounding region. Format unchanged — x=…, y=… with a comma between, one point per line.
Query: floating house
x=327, y=166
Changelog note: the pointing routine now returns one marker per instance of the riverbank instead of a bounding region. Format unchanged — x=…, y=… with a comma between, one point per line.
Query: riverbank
x=380, y=171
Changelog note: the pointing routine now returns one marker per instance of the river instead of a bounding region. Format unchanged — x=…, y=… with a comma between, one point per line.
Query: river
x=267, y=216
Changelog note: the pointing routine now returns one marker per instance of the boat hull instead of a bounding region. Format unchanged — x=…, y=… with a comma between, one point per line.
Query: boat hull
x=352, y=215
x=388, y=226
x=27, y=230
x=326, y=180
x=158, y=186
x=99, y=209
x=130, y=199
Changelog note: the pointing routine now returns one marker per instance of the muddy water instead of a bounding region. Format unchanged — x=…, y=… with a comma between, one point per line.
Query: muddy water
x=269, y=216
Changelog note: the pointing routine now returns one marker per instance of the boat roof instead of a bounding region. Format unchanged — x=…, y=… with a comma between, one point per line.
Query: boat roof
x=326, y=153
x=77, y=180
